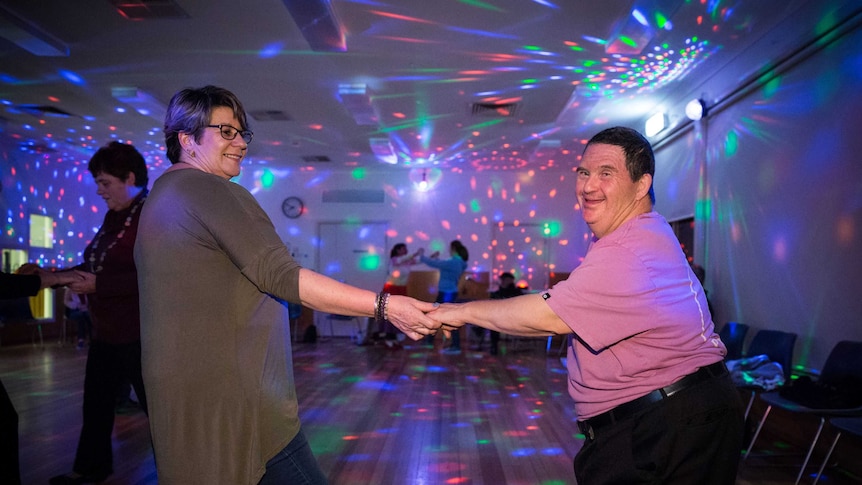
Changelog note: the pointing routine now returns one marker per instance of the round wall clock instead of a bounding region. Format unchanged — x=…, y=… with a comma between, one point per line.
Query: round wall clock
x=292, y=207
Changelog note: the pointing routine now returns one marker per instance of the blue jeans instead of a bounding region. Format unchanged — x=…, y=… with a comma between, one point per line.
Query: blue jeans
x=294, y=465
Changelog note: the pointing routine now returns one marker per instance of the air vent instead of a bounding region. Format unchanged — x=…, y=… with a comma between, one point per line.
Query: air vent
x=315, y=158
x=354, y=196
x=495, y=110
x=269, y=115
x=149, y=9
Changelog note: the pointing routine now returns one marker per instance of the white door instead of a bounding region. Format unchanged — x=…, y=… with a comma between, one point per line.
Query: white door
x=353, y=253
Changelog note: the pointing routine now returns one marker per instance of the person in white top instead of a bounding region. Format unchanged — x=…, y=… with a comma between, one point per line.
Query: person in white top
x=400, y=262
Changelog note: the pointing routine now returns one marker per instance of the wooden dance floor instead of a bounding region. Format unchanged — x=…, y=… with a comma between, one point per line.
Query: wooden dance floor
x=373, y=415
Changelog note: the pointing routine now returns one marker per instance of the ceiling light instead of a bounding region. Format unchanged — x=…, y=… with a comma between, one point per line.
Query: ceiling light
x=423, y=185
x=695, y=109
x=142, y=102
x=356, y=98
x=316, y=20
x=655, y=124
x=383, y=150
x=631, y=35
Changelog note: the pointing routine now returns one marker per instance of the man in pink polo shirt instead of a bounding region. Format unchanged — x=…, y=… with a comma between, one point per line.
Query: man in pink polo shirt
x=645, y=365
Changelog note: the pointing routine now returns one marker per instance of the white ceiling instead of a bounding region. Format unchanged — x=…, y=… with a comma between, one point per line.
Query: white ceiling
x=425, y=63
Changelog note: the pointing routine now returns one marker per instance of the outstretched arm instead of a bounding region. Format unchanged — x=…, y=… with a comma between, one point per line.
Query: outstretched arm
x=326, y=294
x=526, y=315
x=49, y=278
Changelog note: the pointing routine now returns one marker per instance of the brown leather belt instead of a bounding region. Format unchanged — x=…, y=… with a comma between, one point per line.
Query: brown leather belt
x=628, y=409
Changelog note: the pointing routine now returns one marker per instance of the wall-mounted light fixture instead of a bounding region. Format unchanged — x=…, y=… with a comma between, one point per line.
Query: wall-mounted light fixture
x=655, y=123
x=695, y=109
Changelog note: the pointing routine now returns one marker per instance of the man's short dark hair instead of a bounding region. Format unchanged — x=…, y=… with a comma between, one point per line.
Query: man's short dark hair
x=639, y=156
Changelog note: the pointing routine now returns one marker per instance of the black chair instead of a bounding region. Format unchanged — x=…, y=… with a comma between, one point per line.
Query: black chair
x=851, y=426
x=733, y=336
x=838, y=392
x=776, y=345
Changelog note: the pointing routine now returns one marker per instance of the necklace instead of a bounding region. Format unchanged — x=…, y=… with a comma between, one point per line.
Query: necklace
x=94, y=267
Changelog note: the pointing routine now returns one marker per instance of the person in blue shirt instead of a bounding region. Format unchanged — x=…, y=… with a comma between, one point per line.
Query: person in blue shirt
x=447, y=290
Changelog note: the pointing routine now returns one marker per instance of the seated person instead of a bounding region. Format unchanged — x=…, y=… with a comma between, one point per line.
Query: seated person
x=76, y=309
x=507, y=289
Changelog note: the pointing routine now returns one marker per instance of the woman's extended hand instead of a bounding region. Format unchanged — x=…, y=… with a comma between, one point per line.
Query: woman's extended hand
x=86, y=284
x=409, y=315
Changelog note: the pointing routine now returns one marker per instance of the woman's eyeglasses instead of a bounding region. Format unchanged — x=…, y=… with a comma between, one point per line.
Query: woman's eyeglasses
x=228, y=132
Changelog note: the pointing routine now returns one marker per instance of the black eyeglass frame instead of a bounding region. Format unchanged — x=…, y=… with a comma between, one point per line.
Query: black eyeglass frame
x=247, y=135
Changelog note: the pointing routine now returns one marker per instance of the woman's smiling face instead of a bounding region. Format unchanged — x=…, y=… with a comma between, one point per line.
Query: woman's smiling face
x=214, y=154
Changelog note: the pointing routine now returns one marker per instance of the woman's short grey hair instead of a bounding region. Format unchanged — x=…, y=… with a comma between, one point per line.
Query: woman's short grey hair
x=190, y=111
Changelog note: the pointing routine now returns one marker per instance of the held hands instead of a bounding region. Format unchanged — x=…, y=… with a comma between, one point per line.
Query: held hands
x=416, y=318
x=411, y=316
x=84, y=284
x=62, y=278
x=446, y=314
x=30, y=268
x=51, y=278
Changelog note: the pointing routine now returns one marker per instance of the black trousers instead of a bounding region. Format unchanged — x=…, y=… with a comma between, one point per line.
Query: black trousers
x=692, y=437
x=108, y=365
x=9, y=469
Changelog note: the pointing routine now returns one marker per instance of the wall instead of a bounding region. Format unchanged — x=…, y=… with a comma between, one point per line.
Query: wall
x=458, y=206
x=779, y=210
x=781, y=204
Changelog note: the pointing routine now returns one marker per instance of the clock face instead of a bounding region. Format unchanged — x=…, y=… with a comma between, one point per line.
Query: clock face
x=292, y=207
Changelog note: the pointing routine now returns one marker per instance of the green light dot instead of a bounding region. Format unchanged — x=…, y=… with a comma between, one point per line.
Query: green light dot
x=771, y=87
x=267, y=179
x=628, y=41
x=551, y=228
x=369, y=262
x=731, y=144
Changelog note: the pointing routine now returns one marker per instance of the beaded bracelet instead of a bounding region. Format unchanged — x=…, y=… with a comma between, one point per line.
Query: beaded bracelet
x=380, y=309
x=385, y=311
x=376, y=306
